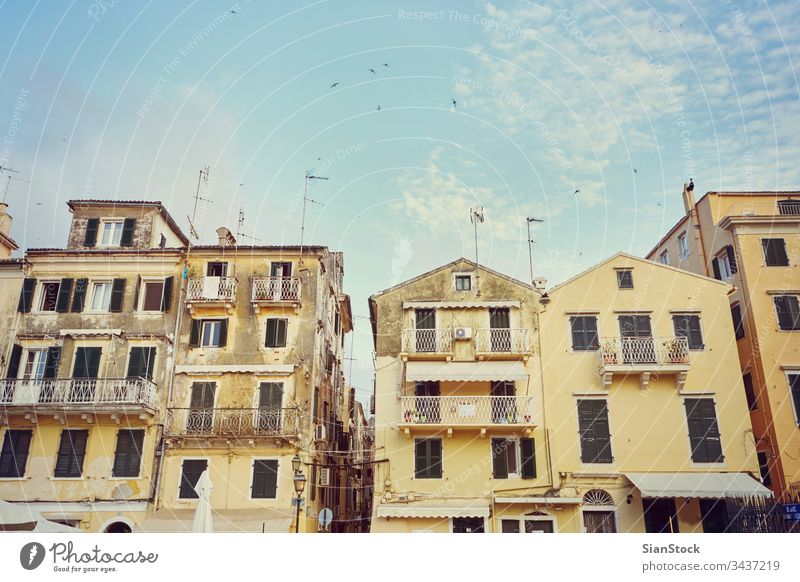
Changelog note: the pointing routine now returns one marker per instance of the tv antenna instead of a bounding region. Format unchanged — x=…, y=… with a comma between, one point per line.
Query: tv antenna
x=202, y=178
x=306, y=199
x=7, y=171
x=529, y=220
x=240, y=228
x=476, y=216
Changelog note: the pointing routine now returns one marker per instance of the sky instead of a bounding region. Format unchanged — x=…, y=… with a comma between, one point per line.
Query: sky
x=588, y=115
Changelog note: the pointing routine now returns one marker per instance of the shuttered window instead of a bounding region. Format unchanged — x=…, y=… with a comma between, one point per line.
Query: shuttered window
x=14, y=361
x=584, y=332
x=704, y=434
x=688, y=326
x=14, y=454
x=117, y=296
x=71, y=451
x=738, y=324
x=265, y=479
x=128, y=227
x=191, y=469
x=141, y=362
x=128, y=455
x=775, y=252
x=794, y=389
x=92, y=226
x=62, y=302
x=513, y=457
x=788, y=310
x=276, y=333
x=428, y=458
x=87, y=362
x=749, y=392
x=208, y=333
x=26, y=295
x=625, y=279
x=594, y=431
x=79, y=297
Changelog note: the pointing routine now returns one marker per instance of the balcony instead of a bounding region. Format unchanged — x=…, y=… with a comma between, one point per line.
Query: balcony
x=790, y=208
x=427, y=343
x=233, y=422
x=212, y=292
x=502, y=343
x=85, y=396
x=275, y=291
x=468, y=412
x=644, y=356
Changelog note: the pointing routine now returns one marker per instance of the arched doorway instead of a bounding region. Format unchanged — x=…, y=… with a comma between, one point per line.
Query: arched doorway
x=118, y=527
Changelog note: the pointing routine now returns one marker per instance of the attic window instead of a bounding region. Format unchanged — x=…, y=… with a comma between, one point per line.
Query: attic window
x=111, y=233
x=625, y=279
x=462, y=282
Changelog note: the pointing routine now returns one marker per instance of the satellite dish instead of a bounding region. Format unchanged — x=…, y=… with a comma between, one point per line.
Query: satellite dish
x=325, y=518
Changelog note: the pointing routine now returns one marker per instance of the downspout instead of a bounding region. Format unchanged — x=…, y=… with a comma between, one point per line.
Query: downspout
x=547, y=451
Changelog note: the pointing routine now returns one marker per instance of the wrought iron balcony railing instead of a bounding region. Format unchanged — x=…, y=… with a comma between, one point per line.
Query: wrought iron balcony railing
x=792, y=208
x=233, y=422
x=212, y=289
x=78, y=393
x=276, y=289
x=480, y=411
x=427, y=341
x=643, y=351
x=502, y=340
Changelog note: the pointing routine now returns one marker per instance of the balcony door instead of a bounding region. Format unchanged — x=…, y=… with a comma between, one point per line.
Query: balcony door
x=201, y=407
x=280, y=285
x=425, y=330
x=427, y=402
x=84, y=374
x=504, y=405
x=499, y=324
x=636, y=334
x=270, y=400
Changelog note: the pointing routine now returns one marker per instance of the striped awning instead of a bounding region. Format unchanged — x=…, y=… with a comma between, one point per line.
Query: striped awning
x=435, y=509
x=482, y=371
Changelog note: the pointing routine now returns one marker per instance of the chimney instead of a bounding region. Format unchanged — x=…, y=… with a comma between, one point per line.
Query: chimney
x=688, y=197
x=5, y=220
x=226, y=238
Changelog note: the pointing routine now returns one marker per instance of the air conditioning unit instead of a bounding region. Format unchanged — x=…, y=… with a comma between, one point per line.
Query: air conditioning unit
x=320, y=434
x=462, y=333
x=325, y=477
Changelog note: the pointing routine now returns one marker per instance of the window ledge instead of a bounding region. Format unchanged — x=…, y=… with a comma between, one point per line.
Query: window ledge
x=67, y=478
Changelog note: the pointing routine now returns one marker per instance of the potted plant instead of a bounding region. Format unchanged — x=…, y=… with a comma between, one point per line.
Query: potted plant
x=407, y=417
x=527, y=418
x=609, y=358
x=675, y=351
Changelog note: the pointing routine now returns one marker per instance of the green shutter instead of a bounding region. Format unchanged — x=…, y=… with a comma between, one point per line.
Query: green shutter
x=117, y=296
x=166, y=298
x=52, y=362
x=64, y=290
x=71, y=452
x=26, y=295
x=14, y=454
x=194, y=334
x=92, y=226
x=499, y=459
x=79, y=297
x=528, y=455
x=128, y=455
x=126, y=240
x=13, y=361
x=265, y=479
x=223, y=333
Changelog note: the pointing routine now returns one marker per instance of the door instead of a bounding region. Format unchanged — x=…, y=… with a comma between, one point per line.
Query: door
x=84, y=374
x=499, y=332
x=504, y=405
x=425, y=330
x=599, y=521
x=660, y=515
x=714, y=515
x=281, y=283
x=427, y=402
x=217, y=270
x=201, y=408
x=538, y=526
x=636, y=334
x=270, y=400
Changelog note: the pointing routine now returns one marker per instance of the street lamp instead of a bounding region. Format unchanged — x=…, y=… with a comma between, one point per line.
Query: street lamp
x=296, y=463
x=299, y=485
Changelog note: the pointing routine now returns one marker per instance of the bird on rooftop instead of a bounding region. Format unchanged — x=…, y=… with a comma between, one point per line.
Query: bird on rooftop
x=690, y=187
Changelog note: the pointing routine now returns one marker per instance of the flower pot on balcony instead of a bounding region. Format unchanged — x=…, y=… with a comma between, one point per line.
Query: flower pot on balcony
x=527, y=418
x=407, y=416
x=609, y=359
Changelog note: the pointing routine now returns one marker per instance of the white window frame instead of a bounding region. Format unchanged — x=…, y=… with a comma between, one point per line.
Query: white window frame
x=40, y=298
x=591, y=508
x=103, y=308
x=102, y=232
x=252, y=475
x=180, y=476
x=455, y=280
x=143, y=293
x=40, y=360
x=207, y=322
x=683, y=245
x=664, y=257
x=724, y=266
x=787, y=373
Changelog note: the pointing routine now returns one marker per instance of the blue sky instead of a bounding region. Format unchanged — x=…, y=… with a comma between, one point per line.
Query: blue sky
x=622, y=101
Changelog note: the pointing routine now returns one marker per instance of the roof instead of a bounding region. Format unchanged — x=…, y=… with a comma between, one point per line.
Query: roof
x=670, y=232
x=9, y=241
x=72, y=204
x=648, y=262
x=101, y=252
x=239, y=248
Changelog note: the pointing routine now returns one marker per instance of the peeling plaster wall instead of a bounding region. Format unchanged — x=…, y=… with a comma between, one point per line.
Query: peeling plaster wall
x=142, y=234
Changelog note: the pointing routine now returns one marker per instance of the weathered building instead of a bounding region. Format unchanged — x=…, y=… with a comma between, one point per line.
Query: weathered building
x=87, y=372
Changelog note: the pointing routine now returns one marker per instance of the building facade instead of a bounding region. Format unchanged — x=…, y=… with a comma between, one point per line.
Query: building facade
x=88, y=366
x=752, y=241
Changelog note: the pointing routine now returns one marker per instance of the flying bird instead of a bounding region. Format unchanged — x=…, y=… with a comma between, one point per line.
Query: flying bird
x=385, y=65
x=233, y=11
x=371, y=71
x=576, y=191
x=453, y=101
x=379, y=107
x=635, y=171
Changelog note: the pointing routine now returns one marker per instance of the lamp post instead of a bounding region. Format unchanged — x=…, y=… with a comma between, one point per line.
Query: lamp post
x=299, y=485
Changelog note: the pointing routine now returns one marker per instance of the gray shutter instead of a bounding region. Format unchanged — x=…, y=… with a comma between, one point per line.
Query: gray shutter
x=79, y=297
x=731, y=258
x=528, y=455
x=194, y=334
x=117, y=296
x=64, y=290
x=26, y=295
x=71, y=452
x=695, y=333
x=190, y=474
x=223, y=333
x=13, y=361
x=715, y=266
x=87, y=362
x=136, y=291
x=126, y=240
x=92, y=226
x=52, y=362
x=128, y=455
x=136, y=363
x=435, y=452
x=499, y=459
x=166, y=298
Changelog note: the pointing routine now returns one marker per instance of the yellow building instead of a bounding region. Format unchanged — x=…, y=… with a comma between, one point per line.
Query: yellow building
x=752, y=241
x=258, y=380
x=645, y=407
x=458, y=402
x=87, y=370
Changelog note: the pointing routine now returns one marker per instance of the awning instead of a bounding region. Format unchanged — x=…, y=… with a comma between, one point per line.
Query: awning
x=211, y=369
x=702, y=485
x=539, y=500
x=486, y=371
x=226, y=520
x=459, y=304
x=441, y=508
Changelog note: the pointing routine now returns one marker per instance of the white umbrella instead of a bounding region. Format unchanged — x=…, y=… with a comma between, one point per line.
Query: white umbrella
x=202, y=522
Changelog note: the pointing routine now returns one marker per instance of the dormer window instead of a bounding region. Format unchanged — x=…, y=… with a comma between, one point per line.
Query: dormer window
x=111, y=233
x=462, y=282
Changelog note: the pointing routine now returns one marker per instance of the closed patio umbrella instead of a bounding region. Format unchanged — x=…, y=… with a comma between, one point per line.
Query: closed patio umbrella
x=202, y=522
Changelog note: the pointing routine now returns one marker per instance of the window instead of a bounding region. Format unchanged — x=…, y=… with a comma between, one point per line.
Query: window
x=594, y=431
x=211, y=332
x=217, y=270
x=738, y=324
x=14, y=454
x=270, y=401
x=584, y=332
x=152, y=295
x=794, y=390
x=664, y=257
x=724, y=264
x=688, y=326
x=49, y=295
x=428, y=458
x=280, y=269
x=34, y=365
x=265, y=479
x=128, y=455
x=749, y=392
x=468, y=525
x=111, y=233
x=201, y=408
x=141, y=362
x=276, y=333
x=463, y=282
x=788, y=310
x=789, y=206
x=704, y=434
x=683, y=245
x=101, y=296
x=191, y=469
x=763, y=467
x=527, y=526
x=599, y=513
x=513, y=458
x=71, y=451
x=624, y=278
x=775, y=252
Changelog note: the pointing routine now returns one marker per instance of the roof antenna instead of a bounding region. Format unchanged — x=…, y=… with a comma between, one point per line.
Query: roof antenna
x=530, y=244
x=7, y=171
x=203, y=177
x=305, y=200
x=240, y=228
x=475, y=217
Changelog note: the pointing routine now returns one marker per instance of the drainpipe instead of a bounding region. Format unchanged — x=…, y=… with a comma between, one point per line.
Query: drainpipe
x=548, y=455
